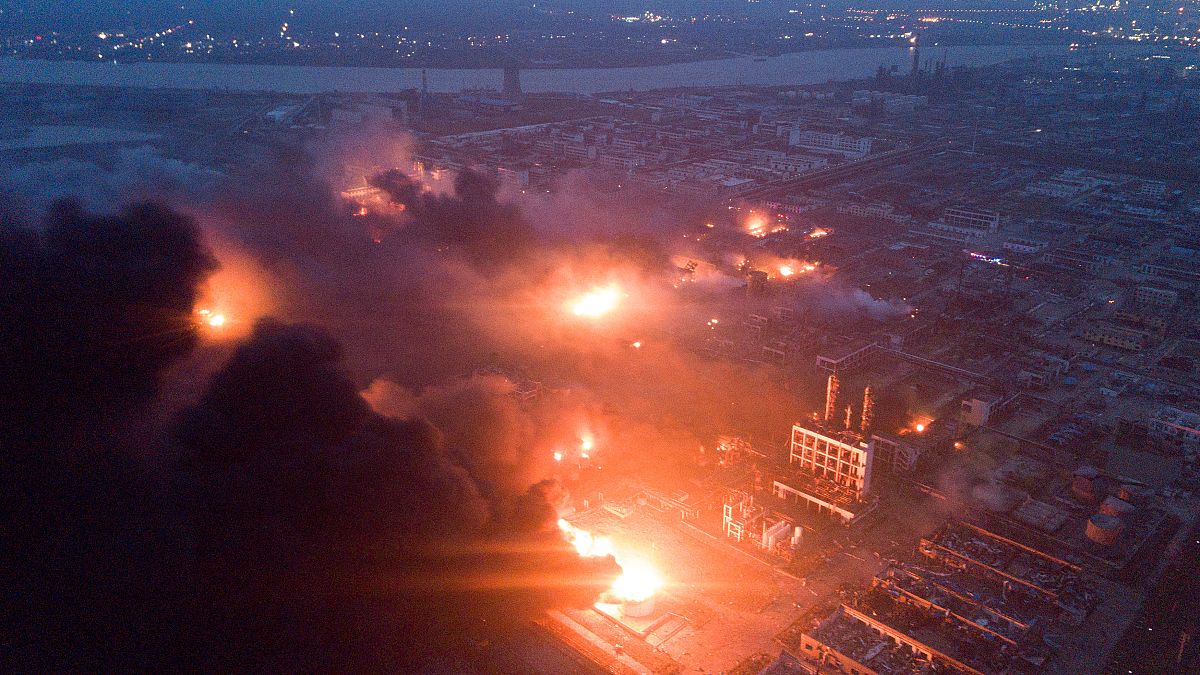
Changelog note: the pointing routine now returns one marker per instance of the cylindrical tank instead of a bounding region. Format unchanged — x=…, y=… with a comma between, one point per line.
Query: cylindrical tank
x=1135, y=494
x=1104, y=529
x=1116, y=507
x=1083, y=484
x=638, y=609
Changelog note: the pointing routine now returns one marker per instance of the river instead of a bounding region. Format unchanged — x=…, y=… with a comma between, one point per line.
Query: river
x=809, y=67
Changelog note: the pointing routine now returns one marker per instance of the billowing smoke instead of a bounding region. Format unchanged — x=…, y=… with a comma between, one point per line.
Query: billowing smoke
x=470, y=220
x=96, y=308
x=298, y=529
x=831, y=299
x=301, y=527
x=321, y=522
x=132, y=174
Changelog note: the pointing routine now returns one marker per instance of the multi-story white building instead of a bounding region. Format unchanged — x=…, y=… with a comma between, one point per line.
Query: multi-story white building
x=829, y=473
x=849, y=146
x=877, y=211
x=1116, y=336
x=981, y=220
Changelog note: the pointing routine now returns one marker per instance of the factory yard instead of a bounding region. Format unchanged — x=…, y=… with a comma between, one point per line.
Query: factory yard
x=732, y=603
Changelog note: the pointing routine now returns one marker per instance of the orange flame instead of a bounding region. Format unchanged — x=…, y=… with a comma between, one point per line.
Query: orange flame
x=638, y=580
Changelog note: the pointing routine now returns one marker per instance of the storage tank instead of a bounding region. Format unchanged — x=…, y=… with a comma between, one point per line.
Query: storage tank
x=1104, y=529
x=1116, y=507
x=1083, y=484
x=1135, y=494
x=638, y=609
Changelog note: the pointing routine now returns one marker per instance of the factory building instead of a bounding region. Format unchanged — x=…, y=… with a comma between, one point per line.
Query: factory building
x=818, y=140
x=893, y=453
x=967, y=222
x=845, y=461
x=1116, y=336
x=1158, y=297
x=847, y=357
x=829, y=471
x=1177, y=429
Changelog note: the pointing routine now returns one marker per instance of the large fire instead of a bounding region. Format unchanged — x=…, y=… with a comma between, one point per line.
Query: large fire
x=788, y=270
x=596, y=303
x=208, y=317
x=638, y=581
x=760, y=226
x=234, y=297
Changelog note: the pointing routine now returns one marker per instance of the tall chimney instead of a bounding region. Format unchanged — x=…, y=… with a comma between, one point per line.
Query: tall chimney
x=831, y=395
x=916, y=61
x=868, y=410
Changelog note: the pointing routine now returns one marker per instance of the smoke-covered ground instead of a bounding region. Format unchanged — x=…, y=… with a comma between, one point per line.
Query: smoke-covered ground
x=248, y=426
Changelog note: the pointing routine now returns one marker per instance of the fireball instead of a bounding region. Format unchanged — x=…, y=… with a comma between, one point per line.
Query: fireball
x=638, y=581
x=211, y=319
x=756, y=226
x=596, y=303
x=586, y=544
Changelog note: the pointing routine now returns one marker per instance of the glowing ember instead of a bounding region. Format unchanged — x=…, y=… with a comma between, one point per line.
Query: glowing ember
x=558, y=456
x=817, y=233
x=920, y=427
x=786, y=270
x=637, y=344
x=597, y=302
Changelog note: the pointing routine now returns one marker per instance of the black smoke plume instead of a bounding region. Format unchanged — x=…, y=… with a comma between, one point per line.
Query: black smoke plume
x=471, y=220
x=329, y=536
x=94, y=308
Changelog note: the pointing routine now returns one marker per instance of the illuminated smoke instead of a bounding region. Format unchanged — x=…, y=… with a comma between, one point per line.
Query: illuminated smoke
x=311, y=508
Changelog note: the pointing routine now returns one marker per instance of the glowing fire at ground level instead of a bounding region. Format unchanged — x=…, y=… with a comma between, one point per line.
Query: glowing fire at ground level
x=638, y=582
x=211, y=319
x=596, y=303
